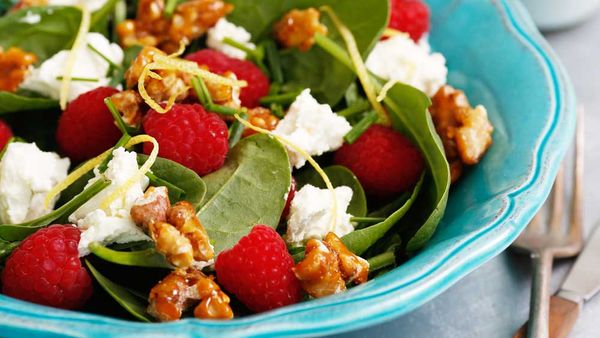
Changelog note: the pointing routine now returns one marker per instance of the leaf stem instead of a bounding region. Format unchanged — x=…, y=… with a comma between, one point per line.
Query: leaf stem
x=236, y=130
x=362, y=126
x=104, y=57
x=117, y=116
x=235, y=44
x=79, y=79
x=170, y=7
x=371, y=220
x=283, y=99
x=381, y=261
x=334, y=50
x=274, y=61
x=277, y=110
x=201, y=91
x=356, y=108
x=120, y=143
x=157, y=182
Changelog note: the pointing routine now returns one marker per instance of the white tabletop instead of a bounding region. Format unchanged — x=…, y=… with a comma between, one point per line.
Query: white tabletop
x=493, y=301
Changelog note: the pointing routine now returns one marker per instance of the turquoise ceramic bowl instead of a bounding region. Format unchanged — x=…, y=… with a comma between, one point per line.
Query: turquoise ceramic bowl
x=495, y=54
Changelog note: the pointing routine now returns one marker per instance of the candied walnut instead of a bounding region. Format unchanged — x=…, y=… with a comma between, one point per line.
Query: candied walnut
x=169, y=84
x=190, y=20
x=128, y=103
x=151, y=208
x=319, y=272
x=14, y=64
x=181, y=289
x=183, y=216
x=465, y=131
x=298, y=28
x=176, y=247
x=261, y=117
x=354, y=268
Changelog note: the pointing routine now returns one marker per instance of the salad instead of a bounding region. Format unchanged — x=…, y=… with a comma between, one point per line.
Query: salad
x=165, y=159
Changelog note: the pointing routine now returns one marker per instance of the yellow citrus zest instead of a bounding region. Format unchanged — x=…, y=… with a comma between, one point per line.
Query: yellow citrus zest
x=391, y=32
x=310, y=160
x=74, y=176
x=384, y=90
x=171, y=62
x=359, y=64
x=79, y=43
x=122, y=190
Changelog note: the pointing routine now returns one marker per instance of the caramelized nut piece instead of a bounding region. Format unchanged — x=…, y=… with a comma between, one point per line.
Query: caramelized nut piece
x=261, y=117
x=181, y=289
x=466, y=132
x=151, y=208
x=171, y=243
x=128, y=103
x=183, y=216
x=354, y=268
x=14, y=64
x=319, y=272
x=298, y=28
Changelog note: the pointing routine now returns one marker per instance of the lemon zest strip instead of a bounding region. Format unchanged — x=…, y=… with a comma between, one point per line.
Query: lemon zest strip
x=384, y=90
x=79, y=43
x=310, y=160
x=359, y=64
x=74, y=176
x=122, y=190
x=391, y=32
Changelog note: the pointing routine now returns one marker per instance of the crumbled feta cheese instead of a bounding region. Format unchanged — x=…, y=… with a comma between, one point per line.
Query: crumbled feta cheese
x=313, y=127
x=27, y=174
x=310, y=214
x=89, y=65
x=401, y=59
x=31, y=18
x=91, y=5
x=113, y=224
x=225, y=29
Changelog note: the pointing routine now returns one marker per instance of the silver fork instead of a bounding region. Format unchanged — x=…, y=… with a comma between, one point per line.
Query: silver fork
x=555, y=238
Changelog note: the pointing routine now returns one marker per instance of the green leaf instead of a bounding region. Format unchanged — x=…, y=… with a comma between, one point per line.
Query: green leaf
x=127, y=299
x=248, y=190
x=316, y=69
x=339, y=176
x=360, y=240
x=6, y=248
x=148, y=258
x=17, y=232
x=54, y=31
x=180, y=176
x=408, y=111
x=100, y=17
x=10, y=103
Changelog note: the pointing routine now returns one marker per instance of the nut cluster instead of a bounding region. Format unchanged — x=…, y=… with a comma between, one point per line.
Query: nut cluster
x=327, y=267
x=14, y=64
x=298, y=28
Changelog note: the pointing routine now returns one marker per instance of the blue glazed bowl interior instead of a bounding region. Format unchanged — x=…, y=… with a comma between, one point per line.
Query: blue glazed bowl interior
x=498, y=58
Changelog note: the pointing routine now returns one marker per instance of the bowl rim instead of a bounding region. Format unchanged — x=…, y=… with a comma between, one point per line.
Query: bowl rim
x=18, y=317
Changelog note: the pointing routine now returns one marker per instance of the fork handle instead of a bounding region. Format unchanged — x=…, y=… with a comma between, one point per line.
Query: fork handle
x=563, y=315
x=539, y=307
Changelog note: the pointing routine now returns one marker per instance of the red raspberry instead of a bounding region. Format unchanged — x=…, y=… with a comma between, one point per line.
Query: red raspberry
x=189, y=135
x=217, y=62
x=410, y=16
x=46, y=269
x=385, y=161
x=86, y=128
x=290, y=198
x=5, y=134
x=258, y=271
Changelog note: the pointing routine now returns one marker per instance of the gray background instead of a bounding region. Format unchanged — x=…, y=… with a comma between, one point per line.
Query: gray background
x=493, y=301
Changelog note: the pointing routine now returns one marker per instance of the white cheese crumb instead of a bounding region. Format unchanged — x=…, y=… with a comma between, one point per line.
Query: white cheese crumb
x=31, y=18
x=113, y=224
x=400, y=59
x=91, y=5
x=310, y=214
x=27, y=174
x=89, y=65
x=313, y=127
x=225, y=29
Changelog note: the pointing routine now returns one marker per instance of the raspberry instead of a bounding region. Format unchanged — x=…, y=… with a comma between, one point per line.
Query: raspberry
x=385, y=161
x=46, y=269
x=5, y=134
x=86, y=128
x=410, y=16
x=189, y=135
x=217, y=62
x=258, y=271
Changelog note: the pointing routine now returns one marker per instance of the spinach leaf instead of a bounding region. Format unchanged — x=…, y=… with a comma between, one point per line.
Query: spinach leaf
x=339, y=176
x=43, y=31
x=248, y=190
x=99, y=19
x=148, y=258
x=408, y=110
x=180, y=176
x=315, y=69
x=131, y=302
x=360, y=240
x=10, y=103
x=6, y=248
x=17, y=232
